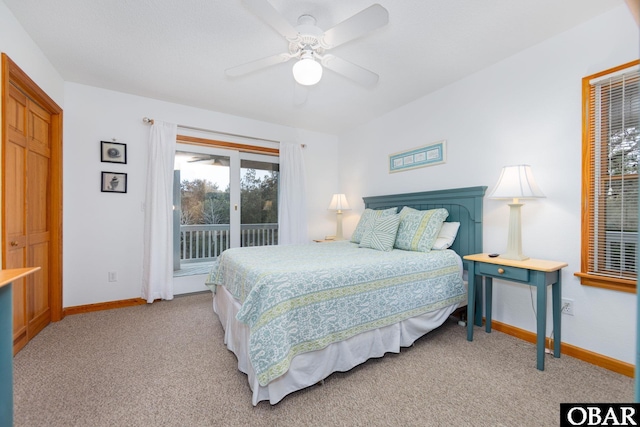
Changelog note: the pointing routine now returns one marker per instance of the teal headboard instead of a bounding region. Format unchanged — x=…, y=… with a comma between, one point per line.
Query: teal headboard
x=464, y=206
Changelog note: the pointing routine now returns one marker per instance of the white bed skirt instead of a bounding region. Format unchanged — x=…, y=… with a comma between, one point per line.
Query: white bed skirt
x=309, y=368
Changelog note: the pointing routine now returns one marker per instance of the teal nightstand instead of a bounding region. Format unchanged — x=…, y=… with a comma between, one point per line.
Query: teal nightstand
x=532, y=272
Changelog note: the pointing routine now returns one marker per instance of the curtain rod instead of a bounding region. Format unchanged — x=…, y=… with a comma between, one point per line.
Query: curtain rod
x=151, y=121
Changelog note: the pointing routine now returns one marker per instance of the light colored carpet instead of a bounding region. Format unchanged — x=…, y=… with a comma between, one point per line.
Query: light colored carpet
x=165, y=365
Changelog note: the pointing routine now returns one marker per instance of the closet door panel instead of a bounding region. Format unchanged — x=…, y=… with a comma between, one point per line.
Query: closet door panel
x=39, y=313
x=14, y=191
x=38, y=174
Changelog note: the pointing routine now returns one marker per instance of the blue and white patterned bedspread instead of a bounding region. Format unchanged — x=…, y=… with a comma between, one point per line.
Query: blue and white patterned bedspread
x=301, y=298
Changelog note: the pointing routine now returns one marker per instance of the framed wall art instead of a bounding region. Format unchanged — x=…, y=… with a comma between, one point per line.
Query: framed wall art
x=113, y=152
x=113, y=182
x=427, y=155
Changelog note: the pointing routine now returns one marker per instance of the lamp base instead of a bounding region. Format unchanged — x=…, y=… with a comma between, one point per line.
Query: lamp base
x=515, y=257
x=514, y=243
x=339, y=226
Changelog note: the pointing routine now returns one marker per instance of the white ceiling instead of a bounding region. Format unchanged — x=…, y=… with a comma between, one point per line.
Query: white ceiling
x=177, y=50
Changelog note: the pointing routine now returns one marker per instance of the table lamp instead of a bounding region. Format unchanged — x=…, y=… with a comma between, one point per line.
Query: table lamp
x=339, y=204
x=516, y=182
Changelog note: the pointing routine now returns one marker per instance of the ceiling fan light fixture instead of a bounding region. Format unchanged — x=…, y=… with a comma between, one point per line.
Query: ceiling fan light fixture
x=307, y=71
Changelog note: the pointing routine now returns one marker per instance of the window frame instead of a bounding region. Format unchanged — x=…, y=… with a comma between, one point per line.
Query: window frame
x=587, y=231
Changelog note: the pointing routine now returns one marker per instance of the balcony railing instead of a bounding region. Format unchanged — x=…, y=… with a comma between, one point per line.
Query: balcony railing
x=201, y=243
x=621, y=250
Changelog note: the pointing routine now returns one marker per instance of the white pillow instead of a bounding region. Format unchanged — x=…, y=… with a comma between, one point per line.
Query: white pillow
x=447, y=235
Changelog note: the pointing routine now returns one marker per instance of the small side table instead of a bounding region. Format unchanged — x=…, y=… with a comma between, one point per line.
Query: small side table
x=532, y=272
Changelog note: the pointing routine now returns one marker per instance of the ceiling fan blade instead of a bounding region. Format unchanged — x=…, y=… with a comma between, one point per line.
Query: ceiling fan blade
x=367, y=20
x=265, y=11
x=350, y=70
x=252, y=66
x=300, y=94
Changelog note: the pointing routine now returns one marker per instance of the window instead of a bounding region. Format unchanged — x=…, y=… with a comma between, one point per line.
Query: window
x=611, y=133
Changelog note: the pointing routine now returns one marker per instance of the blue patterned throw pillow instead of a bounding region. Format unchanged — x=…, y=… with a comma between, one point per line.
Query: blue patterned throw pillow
x=382, y=235
x=367, y=219
x=418, y=230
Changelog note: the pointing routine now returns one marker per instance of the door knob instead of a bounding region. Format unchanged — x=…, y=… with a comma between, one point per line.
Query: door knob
x=501, y=270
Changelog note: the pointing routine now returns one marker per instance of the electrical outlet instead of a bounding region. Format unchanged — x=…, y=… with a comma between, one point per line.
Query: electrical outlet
x=567, y=306
x=113, y=276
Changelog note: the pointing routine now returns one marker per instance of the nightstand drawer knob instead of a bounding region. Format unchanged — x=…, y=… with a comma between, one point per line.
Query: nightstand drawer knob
x=501, y=270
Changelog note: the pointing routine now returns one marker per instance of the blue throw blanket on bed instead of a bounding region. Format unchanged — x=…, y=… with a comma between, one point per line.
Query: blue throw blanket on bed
x=301, y=298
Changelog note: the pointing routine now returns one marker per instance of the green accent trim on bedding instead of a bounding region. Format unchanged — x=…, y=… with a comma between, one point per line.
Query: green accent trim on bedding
x=282, y=367
x=320, y=296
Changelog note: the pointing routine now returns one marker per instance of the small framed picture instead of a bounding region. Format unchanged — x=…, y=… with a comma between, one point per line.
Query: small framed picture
x=419, y=157
x=113, y=152
x=114, y=182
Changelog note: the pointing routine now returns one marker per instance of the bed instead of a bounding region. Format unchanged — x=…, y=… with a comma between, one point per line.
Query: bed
x=294, y=314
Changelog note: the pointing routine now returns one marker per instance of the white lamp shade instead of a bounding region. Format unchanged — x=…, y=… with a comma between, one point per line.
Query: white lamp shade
x=339, y=203
x=516, y=182
x=307, y=71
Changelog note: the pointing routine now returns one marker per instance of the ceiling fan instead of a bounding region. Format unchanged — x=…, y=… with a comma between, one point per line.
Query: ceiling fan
x=205, y=159
x=308, y=44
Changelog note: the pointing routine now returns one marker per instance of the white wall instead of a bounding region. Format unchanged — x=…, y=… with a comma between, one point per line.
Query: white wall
x=18, y=45
x=526, y=109
x=103, y=231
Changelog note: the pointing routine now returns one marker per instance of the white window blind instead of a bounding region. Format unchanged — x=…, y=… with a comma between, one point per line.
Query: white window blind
x=613, y=144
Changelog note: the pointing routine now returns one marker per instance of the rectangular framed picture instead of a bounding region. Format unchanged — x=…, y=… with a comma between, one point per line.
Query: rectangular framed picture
x=113, y=182
x=113, y=152
x=427, y=155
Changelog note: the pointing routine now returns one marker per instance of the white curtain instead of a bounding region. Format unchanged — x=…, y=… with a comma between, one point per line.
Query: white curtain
x=157, y=276
x=292, y=205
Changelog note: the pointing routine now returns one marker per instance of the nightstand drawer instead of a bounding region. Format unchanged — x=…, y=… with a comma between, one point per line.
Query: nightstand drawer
x=497, y=271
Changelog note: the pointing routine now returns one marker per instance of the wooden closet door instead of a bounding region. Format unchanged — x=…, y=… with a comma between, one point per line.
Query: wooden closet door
x=26, y=174
x=31, y=196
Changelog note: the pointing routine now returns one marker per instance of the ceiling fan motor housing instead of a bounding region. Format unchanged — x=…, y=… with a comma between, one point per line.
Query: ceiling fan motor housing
x=309, y=37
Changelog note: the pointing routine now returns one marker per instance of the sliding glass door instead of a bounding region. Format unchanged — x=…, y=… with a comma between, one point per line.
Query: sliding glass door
x=259, y=201
x=222, y=199
x=202, y=216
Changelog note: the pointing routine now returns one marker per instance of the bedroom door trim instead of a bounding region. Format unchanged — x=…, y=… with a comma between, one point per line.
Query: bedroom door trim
x=14, y=76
